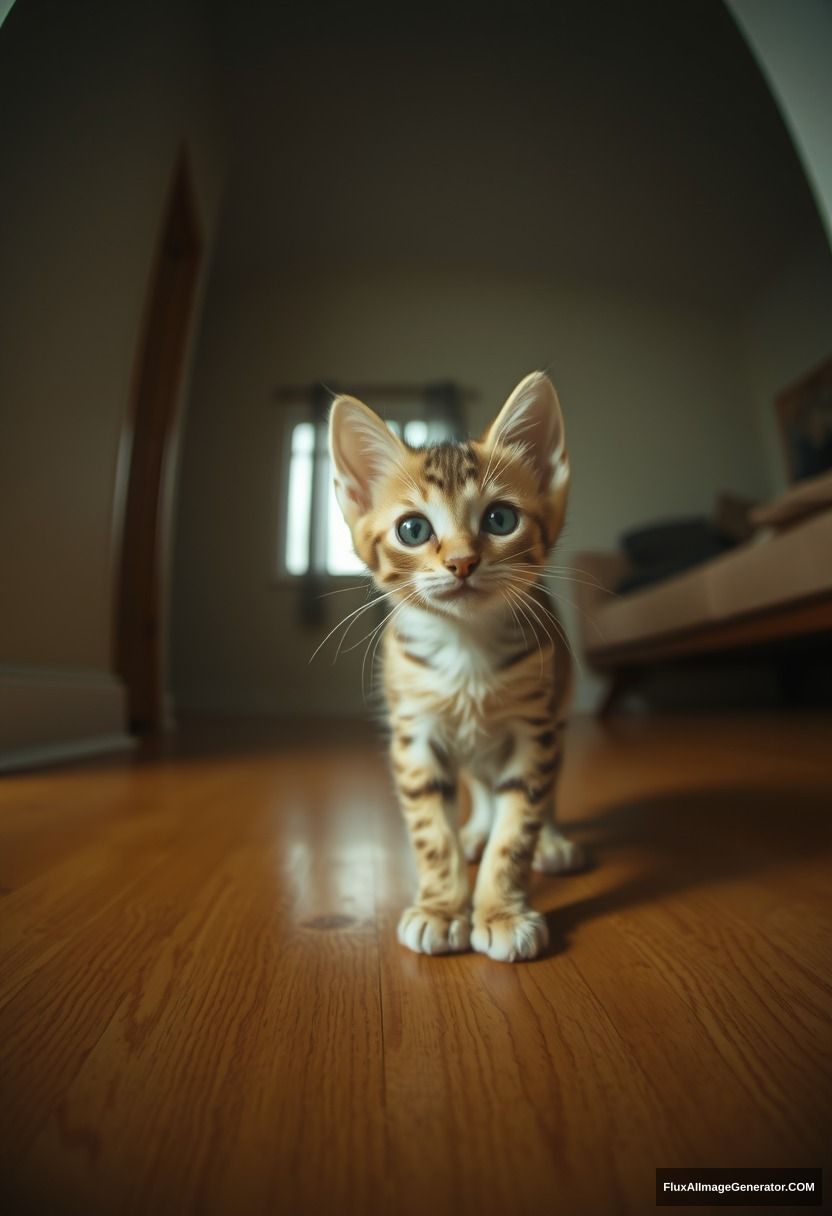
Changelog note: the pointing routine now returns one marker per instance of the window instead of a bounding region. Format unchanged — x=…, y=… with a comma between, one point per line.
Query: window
x=299, y=500
x=309, y=499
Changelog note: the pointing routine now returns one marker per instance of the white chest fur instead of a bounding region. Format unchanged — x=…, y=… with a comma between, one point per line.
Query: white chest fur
x=460, y=686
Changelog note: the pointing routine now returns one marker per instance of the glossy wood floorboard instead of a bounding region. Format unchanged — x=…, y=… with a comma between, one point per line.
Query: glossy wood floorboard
x=203, y=1006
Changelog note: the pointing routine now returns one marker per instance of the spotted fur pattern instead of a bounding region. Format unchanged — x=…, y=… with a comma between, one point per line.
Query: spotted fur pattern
x=476, y=670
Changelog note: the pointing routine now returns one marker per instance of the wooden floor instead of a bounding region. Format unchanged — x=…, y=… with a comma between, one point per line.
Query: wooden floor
x=203, y=1006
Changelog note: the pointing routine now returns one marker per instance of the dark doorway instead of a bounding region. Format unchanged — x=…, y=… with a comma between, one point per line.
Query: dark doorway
x=150, y=454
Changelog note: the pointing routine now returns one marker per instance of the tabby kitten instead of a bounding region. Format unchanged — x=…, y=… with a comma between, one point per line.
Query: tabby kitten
x=476, y=673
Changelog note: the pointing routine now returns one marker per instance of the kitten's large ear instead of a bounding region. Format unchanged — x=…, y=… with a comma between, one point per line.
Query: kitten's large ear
x=363, y=450
x=532, y=417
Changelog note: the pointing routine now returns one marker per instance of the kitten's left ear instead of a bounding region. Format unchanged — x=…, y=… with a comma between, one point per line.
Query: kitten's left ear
x=532, y=417
x=364, y=450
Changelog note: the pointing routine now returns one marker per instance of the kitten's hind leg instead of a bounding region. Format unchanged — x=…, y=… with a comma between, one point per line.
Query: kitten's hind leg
x=474, y=833
x=555, y=853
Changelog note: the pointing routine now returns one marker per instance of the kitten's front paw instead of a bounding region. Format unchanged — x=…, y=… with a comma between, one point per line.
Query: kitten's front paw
x=429, y=932
x=473, y=841
x=557, y=855
x=510, y=936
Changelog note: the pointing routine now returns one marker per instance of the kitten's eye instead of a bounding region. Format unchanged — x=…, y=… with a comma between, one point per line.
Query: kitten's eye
x=414, y=530
x=500, y=519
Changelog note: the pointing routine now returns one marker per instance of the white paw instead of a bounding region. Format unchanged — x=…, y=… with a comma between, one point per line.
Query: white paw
x=557, y=855
x=473, y=841
x=429, y=932
x=518, y=936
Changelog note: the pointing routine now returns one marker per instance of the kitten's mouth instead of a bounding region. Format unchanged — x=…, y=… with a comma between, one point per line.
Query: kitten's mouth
x=462, y=590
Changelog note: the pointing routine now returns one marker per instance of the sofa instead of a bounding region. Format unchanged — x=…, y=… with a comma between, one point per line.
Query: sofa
x=775, y=585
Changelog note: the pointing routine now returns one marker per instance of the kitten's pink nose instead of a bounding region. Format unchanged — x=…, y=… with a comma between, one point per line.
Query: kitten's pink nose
x=463, y=565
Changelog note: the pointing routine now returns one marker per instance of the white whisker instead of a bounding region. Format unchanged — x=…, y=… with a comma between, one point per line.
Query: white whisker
x=343, y=590
x=355, y=645
x=348, y=617
x=514, y=614
x=531, y=623
x=511, y=556
x=564, y=577
x=377, y=633
x=557, y=624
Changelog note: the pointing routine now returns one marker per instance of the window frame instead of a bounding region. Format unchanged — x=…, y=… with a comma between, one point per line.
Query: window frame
x=289, y=417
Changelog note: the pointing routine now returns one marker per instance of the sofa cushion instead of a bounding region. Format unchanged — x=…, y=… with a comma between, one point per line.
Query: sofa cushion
x=681, y=602
x=675, y=544
x=771, y=572
x=788, y=566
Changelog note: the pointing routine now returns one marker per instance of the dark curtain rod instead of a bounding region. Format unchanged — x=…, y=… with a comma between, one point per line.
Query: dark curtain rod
x=389, y=392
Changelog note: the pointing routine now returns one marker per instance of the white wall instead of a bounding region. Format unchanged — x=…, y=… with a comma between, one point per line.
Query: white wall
x=658, y=414
x=95, y=102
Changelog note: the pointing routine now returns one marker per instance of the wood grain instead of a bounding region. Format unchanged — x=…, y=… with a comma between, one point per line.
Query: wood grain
x=203, y=1006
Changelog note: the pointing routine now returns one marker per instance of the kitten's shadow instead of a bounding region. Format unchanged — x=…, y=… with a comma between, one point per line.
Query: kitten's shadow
x=695, y=838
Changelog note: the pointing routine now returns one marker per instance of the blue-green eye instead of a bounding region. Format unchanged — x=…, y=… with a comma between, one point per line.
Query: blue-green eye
x=500, y=519
x=414, y=530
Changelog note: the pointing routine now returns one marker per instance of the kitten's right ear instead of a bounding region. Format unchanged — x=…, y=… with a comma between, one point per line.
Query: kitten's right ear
x=364, y=450
x=532, y=417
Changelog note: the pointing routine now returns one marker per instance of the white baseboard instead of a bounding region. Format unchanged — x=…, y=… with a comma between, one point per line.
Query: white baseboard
x=58, y=712
x=61, y=753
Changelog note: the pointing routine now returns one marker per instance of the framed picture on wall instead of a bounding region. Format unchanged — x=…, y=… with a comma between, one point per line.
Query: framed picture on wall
x=804, y=414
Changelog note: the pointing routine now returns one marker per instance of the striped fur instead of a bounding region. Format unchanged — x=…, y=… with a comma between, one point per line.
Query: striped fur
x=476, y=673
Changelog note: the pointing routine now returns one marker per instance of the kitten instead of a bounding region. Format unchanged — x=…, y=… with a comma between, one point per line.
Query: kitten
x=476, y=673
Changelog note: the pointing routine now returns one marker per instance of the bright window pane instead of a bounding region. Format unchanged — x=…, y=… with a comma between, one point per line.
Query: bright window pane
x=303, y=437
x=339, y=555
x=439, y=432
x=416, y=432
x=299, y=500
x=340, y=558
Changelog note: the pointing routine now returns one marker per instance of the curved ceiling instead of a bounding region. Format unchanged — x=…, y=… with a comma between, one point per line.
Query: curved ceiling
x=631, y=144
